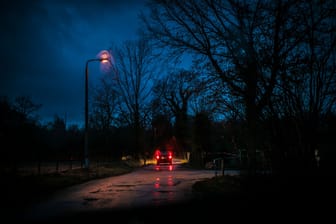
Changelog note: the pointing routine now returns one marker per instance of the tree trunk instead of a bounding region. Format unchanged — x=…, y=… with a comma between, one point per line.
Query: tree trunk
x=251, y=116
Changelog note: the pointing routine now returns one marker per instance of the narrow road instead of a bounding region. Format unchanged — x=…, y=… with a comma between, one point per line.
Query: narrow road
x=150, y=186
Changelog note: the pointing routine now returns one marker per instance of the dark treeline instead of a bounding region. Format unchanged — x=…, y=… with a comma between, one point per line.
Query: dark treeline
x=273, y=64
x=262, y=85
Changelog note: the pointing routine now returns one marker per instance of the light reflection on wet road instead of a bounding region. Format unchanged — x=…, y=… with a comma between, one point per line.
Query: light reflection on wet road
x=152, y=185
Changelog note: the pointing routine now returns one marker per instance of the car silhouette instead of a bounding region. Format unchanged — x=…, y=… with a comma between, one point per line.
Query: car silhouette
x=163, y=157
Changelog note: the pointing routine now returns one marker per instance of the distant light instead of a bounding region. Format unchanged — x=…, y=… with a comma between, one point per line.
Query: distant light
x=105, y=57
x=106, y=60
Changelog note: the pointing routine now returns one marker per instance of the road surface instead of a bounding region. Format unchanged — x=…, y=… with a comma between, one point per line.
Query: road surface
x=150, y=186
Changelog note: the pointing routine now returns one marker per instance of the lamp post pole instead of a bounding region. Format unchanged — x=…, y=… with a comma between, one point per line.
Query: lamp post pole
x=104, y=57
x=86, y=137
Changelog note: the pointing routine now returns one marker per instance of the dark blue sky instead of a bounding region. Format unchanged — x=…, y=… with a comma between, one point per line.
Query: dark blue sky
x=45, y=44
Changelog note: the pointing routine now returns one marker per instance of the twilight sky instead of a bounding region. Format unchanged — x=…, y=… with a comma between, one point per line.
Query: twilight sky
x=46, y=43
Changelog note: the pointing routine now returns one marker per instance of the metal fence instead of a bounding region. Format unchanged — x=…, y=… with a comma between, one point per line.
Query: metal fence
x=44, y=167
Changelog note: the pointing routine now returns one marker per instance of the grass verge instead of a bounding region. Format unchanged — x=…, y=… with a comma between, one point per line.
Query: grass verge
x=19, y=190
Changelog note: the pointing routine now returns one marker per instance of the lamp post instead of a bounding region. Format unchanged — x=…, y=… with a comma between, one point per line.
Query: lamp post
x=104, y=57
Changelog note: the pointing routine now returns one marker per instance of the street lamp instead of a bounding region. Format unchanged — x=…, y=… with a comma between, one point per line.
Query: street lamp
x=104, y=57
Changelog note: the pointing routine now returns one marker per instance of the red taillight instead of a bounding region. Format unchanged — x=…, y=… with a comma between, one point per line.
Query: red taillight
x=157, y=154
x=170, y=156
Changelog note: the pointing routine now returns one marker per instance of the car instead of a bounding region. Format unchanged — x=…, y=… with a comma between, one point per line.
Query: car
x=163, y=157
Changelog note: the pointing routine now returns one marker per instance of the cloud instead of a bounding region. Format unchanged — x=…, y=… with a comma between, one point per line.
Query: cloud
x=45, y=44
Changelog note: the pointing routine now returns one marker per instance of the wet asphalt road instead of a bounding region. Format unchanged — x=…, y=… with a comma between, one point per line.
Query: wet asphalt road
x=163, y=194
x=148, y=187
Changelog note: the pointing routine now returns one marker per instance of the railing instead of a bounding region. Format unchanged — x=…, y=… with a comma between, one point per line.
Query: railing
x=51, y=166
x=43, y=167
x=218, y=165
x=225, y=161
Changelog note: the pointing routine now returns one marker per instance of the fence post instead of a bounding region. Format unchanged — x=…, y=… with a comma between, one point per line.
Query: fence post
x=217, y=166
x=57, y=165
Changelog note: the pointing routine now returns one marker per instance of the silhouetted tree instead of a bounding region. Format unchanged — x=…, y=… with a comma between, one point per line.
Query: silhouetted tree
x=26, y=106
x=136, y=69
x=249, y=45
x=19, y=132
x=175, y=92
x=105, y=104
x=162, y=130
x=306, y=90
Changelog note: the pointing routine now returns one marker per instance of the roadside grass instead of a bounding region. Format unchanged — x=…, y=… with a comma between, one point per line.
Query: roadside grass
x=218, y=185
x=269, y=190
x=26, y=185
x=19, y=190
x=55, y=181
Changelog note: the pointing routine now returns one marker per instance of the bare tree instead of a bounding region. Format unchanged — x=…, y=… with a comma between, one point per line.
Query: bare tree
x=136, y=69
x=175, y=92
x=105, y=104
x=306, y=92
x=222, y=37
x=26, y=106
x=249, y=45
